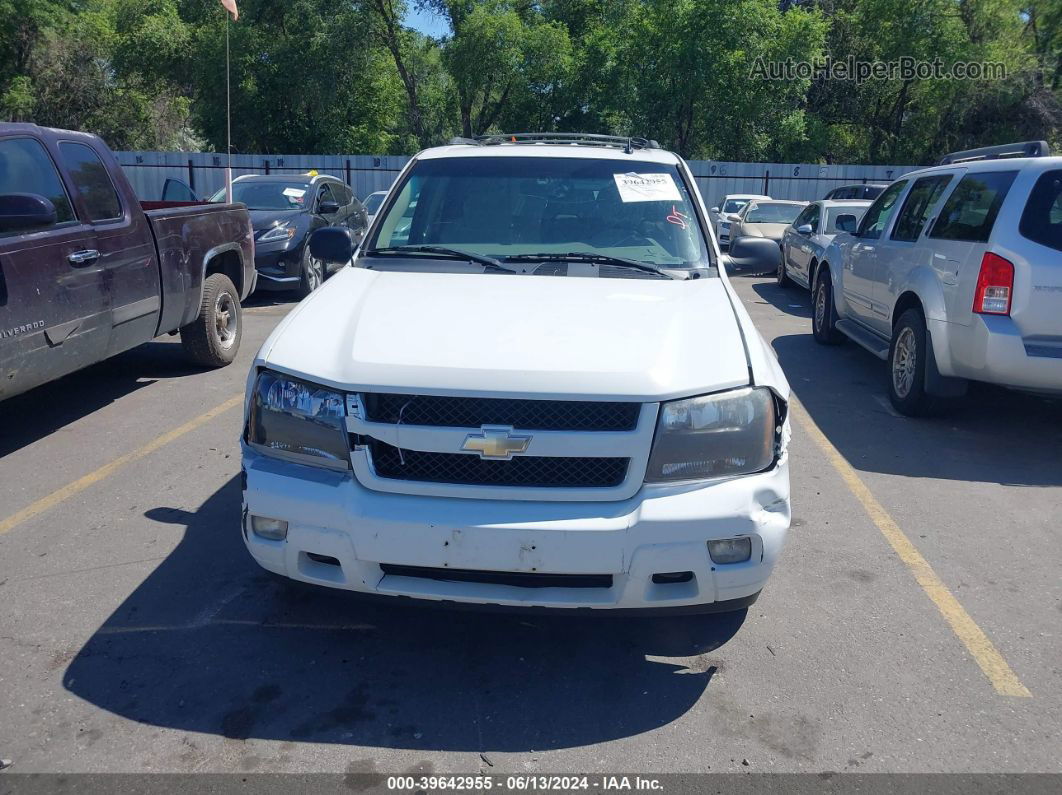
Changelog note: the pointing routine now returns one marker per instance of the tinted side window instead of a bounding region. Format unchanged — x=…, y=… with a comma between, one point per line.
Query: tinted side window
x=344, y=195
x=92, y=181
x=916, y=207
x=879, y=213
x=1041, y=221
x=970, y=212
x=804, y=217
x=26, y=168
x=325, y=195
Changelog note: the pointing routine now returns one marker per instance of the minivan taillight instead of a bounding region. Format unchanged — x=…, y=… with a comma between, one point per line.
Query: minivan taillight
x=995, y=285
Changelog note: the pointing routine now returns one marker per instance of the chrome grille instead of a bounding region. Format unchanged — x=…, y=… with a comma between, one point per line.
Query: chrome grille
x=473, y=412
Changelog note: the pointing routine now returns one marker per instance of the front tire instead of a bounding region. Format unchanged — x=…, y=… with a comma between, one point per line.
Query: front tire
x=824, y=313
x=907, y=366
x=311, y=272
x=783, y=278
x=213, y=338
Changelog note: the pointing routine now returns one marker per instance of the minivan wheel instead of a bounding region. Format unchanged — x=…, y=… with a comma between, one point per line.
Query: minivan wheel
x=824, y=313
x=312, y=273
x=213, y=338
x=907, y=366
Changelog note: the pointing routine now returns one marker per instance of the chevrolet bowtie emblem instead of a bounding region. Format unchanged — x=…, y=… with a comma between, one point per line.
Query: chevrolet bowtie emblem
x=496, y=443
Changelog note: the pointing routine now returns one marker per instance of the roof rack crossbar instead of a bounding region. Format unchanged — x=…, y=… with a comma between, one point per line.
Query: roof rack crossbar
x=627, y=143
x=1020, y=149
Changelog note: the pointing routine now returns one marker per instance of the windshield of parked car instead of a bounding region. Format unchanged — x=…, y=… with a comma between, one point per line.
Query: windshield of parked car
x=833, y=213
x=734, y=206
x=373, y=201
x=773, y=213
x=268, y=195
x=510, y=206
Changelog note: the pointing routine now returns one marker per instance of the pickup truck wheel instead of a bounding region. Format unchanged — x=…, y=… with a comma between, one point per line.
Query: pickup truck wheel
x=213, y=338
x=824, y=314
x=312, y=273
x=907, y=366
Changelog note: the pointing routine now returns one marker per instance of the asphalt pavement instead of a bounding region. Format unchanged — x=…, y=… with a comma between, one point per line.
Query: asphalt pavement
x=911, y=626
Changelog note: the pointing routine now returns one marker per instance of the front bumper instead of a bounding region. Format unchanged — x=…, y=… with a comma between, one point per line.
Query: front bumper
x=332, y=520
x=992, y=349
x=278, y=266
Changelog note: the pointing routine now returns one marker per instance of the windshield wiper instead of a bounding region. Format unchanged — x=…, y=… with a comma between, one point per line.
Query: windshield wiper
x=444, y=251
x=598, y=259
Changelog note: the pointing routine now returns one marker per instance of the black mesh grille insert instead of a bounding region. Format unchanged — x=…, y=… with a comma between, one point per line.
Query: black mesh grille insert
x=472, y=412
x=522, y=579
x=470, y=469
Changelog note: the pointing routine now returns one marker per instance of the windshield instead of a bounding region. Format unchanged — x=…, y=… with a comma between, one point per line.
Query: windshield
x=510, y=206
x=734, y=206
x=372, y=202
x=268, y=195
x=773, y=213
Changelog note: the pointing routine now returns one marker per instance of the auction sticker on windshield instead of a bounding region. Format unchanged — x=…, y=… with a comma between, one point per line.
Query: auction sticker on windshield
x=646, y=188
x=295, y=193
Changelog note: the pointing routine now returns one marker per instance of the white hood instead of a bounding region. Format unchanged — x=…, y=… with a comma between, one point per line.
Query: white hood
x=438, y=333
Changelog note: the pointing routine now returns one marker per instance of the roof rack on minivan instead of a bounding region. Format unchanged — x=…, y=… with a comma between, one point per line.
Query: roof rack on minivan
x=626, y=143
x=1021, y=149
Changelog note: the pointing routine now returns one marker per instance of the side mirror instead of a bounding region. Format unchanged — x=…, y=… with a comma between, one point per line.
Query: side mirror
x=25, y=211
x=847, y=223
x=328, y=208
x=756, y=252
x=804, y=229
x=733, y=217
x=715, y=210
x=333, y=244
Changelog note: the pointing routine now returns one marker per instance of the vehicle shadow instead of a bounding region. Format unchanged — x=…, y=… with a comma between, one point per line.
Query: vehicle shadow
x=993, y=435
x=210, y=643
x=792, y=300
x=40, y=412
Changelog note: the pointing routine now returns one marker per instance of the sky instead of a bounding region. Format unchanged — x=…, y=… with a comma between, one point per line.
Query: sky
x=427, y=23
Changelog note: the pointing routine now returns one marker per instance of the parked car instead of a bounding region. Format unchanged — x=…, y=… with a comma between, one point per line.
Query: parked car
x=756, y=235
x=726, y=212
x=954, y=274
x=284, y=211
x=372, y=203
x=86, y=273
x=863, y=191
x=509, y=402
x=806, y=239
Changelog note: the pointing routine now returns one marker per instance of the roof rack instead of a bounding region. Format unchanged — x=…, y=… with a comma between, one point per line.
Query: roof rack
x=628, y=144
x=1021, y=149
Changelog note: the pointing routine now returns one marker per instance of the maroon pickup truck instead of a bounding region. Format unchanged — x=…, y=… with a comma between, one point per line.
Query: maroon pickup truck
x=87, y=272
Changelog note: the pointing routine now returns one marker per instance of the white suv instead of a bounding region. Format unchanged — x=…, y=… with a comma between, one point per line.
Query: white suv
x=533, y=386
x=954, y=274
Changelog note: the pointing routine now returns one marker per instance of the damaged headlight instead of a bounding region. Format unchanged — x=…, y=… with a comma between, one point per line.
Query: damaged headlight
x=299, y=421
x=728, y=433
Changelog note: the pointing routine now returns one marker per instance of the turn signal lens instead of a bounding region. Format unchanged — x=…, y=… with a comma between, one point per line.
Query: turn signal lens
x=273, y=529
x=730, y=550
x=995, y=285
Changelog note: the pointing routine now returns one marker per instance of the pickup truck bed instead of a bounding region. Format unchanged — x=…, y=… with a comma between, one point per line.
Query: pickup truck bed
x=86, y=272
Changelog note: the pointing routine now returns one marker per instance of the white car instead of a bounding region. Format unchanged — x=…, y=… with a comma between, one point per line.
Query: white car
x=536, y=389
x=807, y=238
x=955, y=275
x=727, y=212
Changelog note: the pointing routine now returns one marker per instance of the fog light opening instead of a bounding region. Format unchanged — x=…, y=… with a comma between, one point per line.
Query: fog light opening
x=672, y=577
x=730, y=550
x=328, y=560
x=272, y=529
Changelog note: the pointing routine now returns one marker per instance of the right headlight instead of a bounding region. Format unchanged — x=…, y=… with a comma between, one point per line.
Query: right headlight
x=712, y=436
x=279, y=232
x=299, y=421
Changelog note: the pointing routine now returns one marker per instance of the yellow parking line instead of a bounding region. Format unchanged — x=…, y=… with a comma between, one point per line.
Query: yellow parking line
x=1003, y=679
x=79, y=485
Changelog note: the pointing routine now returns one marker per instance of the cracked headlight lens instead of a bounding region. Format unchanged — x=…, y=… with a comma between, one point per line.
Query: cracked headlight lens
x=298, y=420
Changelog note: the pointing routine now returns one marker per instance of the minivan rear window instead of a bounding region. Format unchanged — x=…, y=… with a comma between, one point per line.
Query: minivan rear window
x=970, y=211
x=1041, y=221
